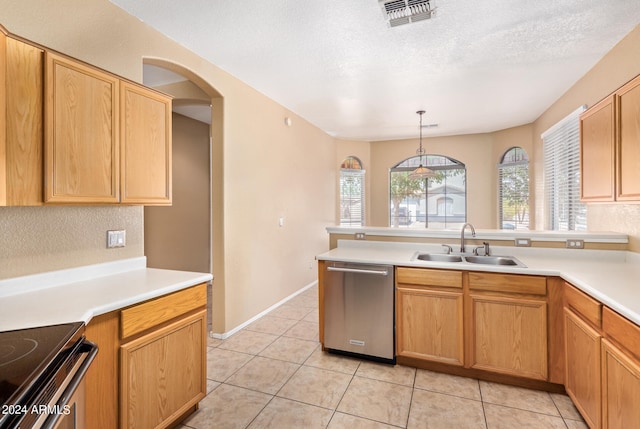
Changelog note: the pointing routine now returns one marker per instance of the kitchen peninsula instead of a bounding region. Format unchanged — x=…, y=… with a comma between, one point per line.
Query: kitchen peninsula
x=563, y=319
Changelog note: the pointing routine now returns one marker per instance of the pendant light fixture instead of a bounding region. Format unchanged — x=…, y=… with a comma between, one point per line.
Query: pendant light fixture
x=421, y=172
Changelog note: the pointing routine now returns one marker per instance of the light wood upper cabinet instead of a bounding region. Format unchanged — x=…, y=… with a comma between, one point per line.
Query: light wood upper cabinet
x=597, y=151
x=628, y=146
x=81, y=133
x=107, y=140
x=429, y=315
x=21, y=95
x=145, y=146
x=610, y=147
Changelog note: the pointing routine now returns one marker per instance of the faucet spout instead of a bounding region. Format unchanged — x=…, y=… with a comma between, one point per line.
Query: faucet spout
x=473, y=234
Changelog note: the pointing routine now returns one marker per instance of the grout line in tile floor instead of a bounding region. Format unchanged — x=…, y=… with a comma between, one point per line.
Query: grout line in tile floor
x=273, y=374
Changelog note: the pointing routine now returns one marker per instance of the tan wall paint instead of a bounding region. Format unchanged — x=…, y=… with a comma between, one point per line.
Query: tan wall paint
x=269, y=169
x=177, y=237
x=617, y=67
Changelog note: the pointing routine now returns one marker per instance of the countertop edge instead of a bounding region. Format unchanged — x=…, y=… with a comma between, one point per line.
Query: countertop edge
x=82, y=300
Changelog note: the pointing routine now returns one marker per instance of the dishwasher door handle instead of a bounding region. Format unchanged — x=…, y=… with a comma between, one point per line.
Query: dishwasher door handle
x=359, y=271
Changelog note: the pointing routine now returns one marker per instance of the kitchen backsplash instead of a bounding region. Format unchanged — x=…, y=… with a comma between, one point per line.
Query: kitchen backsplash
x=40, y=239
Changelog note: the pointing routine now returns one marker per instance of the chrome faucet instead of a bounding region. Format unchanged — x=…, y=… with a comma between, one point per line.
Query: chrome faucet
x=473, y=234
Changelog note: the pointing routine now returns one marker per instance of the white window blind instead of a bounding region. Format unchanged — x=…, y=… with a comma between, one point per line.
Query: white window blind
x=561, y=149
x=513, y=191
x=351, y=197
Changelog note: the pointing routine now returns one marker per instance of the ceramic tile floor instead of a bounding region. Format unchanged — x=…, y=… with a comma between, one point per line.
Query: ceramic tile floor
x=273, y=374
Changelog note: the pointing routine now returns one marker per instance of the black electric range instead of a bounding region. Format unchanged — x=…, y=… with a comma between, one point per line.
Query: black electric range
x=36, y=364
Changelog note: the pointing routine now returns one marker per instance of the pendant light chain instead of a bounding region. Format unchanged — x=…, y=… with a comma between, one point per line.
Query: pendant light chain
x=421, y=172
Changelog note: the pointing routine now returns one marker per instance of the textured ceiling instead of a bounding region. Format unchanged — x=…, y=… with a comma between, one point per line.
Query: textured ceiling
x=477, y=66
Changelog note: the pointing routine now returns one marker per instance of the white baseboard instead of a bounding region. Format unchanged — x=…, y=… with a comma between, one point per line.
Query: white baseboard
x=226, y=335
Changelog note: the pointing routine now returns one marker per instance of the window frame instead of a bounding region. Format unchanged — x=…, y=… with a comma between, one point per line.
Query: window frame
x=521, y=162
x=351, y=168
x=437, y=163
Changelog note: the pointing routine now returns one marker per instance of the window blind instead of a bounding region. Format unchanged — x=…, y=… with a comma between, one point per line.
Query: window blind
x=513, y=192
x=561, y=152
x=351, y=197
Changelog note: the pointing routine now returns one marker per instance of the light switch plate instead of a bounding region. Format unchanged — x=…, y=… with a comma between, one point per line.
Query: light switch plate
x=523, y=242
x=116, y=238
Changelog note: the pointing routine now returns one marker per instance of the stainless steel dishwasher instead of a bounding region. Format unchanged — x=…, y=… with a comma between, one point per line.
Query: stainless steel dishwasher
x=359, y=310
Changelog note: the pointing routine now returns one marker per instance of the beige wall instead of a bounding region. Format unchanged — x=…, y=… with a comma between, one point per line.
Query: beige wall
x=620, y=65
x=268, y=170
x=177, y=237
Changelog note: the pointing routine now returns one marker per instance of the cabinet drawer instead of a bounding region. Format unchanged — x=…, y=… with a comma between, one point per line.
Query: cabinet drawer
x=151, y=313
x=584, y=305
x=508, y=283
x=623, y=331
x=428, y=277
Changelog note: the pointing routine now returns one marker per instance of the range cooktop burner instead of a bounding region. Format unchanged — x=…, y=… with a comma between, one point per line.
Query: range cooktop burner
x=15, y=349
x=26, y=353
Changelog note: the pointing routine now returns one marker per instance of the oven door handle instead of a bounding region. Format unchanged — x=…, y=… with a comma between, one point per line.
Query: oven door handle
x=91, y=349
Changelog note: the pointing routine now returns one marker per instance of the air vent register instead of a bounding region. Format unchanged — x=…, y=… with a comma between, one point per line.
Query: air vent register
x=400, y=12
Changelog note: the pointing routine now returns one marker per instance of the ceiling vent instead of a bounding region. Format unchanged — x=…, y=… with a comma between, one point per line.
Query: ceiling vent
x=399, y=12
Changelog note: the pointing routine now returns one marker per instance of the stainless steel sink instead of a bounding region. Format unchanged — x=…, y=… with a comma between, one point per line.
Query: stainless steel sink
x=439, y=257
x=493, y=260
x=472, y=259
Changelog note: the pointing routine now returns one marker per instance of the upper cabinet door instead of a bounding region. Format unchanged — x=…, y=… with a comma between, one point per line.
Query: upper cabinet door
x=21, y=92
x=628, y=157
x=145, y=146
x=81, y=133
x=597, y=145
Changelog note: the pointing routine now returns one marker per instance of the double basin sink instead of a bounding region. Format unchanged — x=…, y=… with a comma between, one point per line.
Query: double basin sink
x=473, y=259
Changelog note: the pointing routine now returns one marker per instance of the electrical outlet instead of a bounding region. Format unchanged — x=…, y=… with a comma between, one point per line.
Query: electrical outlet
x=116, y=238
x=523, y=242
x=360, y=236
x=574, y=244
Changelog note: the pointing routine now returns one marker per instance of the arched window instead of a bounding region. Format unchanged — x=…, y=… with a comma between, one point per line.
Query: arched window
x=513, y=195
x=439, y=202
x=351, y=192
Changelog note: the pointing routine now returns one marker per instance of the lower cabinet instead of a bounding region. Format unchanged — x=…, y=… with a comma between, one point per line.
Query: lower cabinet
x=602, y=354
x=508, y=318
x=150, y=370
x=487, y=322
x=582, y=378
x=162, y=373
x=509, y=336
x=620, y=388
x=429, y=315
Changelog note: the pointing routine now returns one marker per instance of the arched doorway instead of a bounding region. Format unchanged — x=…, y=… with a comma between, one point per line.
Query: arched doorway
x=187, y=235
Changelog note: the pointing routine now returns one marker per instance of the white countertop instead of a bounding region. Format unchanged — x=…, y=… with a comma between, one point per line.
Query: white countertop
x=610, y=276
x=81, y=293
